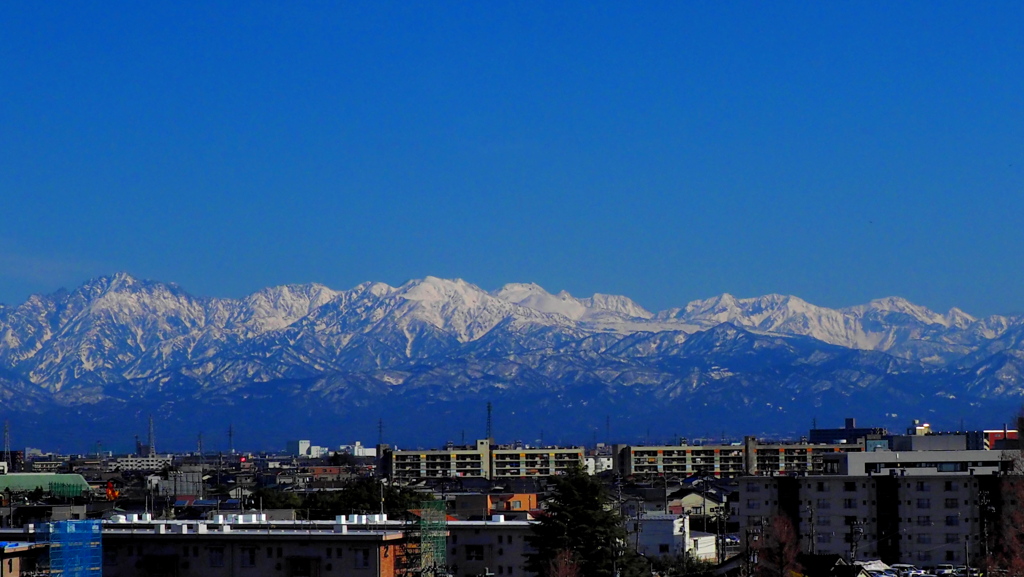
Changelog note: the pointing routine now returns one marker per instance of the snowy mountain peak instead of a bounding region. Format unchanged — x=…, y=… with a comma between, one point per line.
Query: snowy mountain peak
x=618, y=304
x=959, y=319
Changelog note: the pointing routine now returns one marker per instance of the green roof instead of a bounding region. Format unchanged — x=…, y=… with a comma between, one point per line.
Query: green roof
x=46, y=481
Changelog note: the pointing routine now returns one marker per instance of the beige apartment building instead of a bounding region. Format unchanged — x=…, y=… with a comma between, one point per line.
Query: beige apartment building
x=482, y=461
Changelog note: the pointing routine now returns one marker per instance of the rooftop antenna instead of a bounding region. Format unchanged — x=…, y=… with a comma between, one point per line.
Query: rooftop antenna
x=490, y=436
x=231, y=438
x=7, y=446
x=152, y=438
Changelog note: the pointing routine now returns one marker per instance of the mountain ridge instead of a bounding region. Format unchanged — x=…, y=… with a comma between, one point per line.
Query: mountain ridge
x=119, y=341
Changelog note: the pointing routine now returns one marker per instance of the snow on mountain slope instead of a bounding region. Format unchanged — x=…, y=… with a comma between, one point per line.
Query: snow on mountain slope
x=118, y=327
x=890, y=324
x=600, y=312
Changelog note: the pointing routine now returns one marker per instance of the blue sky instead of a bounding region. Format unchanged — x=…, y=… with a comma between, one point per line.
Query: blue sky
x=839, y=151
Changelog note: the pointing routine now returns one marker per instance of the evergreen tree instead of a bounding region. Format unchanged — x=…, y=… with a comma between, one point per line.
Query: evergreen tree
x=578, y=525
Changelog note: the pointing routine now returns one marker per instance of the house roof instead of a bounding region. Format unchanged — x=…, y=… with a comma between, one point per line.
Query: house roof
x=30, y=481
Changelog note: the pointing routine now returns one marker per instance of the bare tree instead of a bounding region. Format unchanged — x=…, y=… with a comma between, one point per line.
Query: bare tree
x=777, y=549
x=564, y=565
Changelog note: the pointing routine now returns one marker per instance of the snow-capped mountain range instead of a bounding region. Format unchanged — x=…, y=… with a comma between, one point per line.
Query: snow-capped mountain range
x=436, y=347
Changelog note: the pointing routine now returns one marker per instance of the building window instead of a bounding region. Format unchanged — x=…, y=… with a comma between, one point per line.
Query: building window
x=950, y=556
x=216, y=556
x=500, y=539
x=474, y=552
x=950, y=486
x=849, y=503
x=924, y=538
x=824, y=538
x=824, y=504
x=270, y=552
x=753, y=504
x=923, y=486
x=952, y=538
x=849, y=486
x=663, y=548
x=184, y=551
x=362, y=558
x=951, y=503
x=924, y=521
x=952, y=520
x=248, y=557
x=824, y=521
x=924, y=503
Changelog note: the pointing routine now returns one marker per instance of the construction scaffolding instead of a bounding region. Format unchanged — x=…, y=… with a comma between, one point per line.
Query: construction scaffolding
x=75, y=548
x=433, y=539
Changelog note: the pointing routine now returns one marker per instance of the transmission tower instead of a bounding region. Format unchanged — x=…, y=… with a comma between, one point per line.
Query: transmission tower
x=152, y=438
x=490, y=436
x=7, y=446
x=231, y=438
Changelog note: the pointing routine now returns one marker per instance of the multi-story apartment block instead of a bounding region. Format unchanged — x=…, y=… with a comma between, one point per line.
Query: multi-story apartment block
x=534, y=462
x=482, y=461
x=441, y=463
x=748, y=458
x=923, y=515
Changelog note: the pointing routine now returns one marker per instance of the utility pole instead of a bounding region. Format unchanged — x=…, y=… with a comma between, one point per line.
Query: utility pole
x=814, y=531
x=202, y=465
x=985, y=508
x=856, y=530
x=231, y=438
x=152, y=438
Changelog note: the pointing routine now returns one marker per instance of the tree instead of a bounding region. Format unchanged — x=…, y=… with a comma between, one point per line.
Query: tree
x=777, y=549
x=684, y=564
x=578, y=524
x=1010, y=537
x=564, y=565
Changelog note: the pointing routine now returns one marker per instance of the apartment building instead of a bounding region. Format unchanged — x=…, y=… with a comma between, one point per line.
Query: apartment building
x=289, y=549
x=481, y=461
x=923, y=515
x=451, y=462
x=534, y=462
x=751, y=457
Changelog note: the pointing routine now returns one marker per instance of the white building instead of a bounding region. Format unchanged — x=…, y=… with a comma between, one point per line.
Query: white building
x=298, y=448
x=598, y=464
x=358, y=450
x=659, y=535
